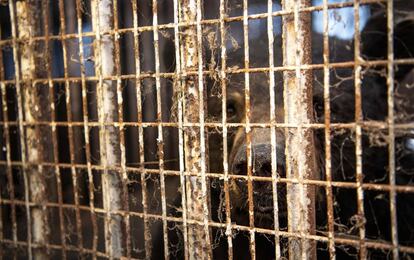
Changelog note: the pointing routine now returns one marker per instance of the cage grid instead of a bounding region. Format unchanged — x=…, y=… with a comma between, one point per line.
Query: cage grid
x=33, y=136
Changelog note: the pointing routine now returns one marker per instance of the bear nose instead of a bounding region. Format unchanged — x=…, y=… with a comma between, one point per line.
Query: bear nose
x=261, y=160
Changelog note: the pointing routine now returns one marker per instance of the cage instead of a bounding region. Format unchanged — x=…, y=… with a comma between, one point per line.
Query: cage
x=191, y=129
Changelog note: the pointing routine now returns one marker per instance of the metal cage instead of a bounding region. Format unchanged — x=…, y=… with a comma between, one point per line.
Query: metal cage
x=122, y=124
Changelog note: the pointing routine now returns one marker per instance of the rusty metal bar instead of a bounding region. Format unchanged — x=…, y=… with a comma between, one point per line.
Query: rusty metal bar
x=248, y=130
x=232, y=70
x=102, y=19
x=223, y=78
x=68, y=98
x=345, y=240
x=339, y=241
x=142, y=170
x=327, y=115
x=31, y=105
x=358, y=133
x=194, y=140
x=391, y=128
x=369, y=125
x=309, y=9
x=298, y=107
x=160, y=137
x=19, y=94
x=339, y=184
x=86, y=128
x=203, y=139
x=53, y=97
x=273, y=142
x=22, y=14
x=125, y=195
x=179, y=84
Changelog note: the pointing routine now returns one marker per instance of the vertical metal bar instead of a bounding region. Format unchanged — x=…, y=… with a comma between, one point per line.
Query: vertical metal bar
x=19, y=94
x=273, y=140
x=300, y=154
x=125, y=198
x=327, y=114
x=86, y=128
x=248, y=130
x=144, y=190
x=70, y=128
x=391, y=126
x=358, y=132
x=102, y=18
x=9, y=170
x=223, y=79
x=160, y=138
x=194, y=141
x=203, y=152
x=75, y=96
x=29, y=105
x=52, y=97
x=179, y=83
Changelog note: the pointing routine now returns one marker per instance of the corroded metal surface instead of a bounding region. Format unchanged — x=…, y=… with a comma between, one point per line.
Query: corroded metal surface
x=300, y=144
x=32, y=108
x=107, y=105
x=192, y=93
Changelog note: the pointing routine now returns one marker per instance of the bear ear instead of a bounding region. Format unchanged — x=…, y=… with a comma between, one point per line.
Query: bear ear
x=403, y=38
x=404, y=46
x=374, y=36
x=374, y=39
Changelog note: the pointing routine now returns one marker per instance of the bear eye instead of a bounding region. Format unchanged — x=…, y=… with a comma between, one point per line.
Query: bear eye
x=231, y=110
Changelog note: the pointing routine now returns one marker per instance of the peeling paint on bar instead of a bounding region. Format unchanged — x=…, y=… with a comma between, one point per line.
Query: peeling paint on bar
x=298, y=107
x=160, y=137
x=30, y=106
x=328, y=149
x=272, y=86
x=66, y=66
x=52, y=97
x=86, y=130
x=110, y=153
x=199, y=244
x=142, y=171
x=358, y=135
x=179, y=82
x=391, y=128
x=223, y=83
